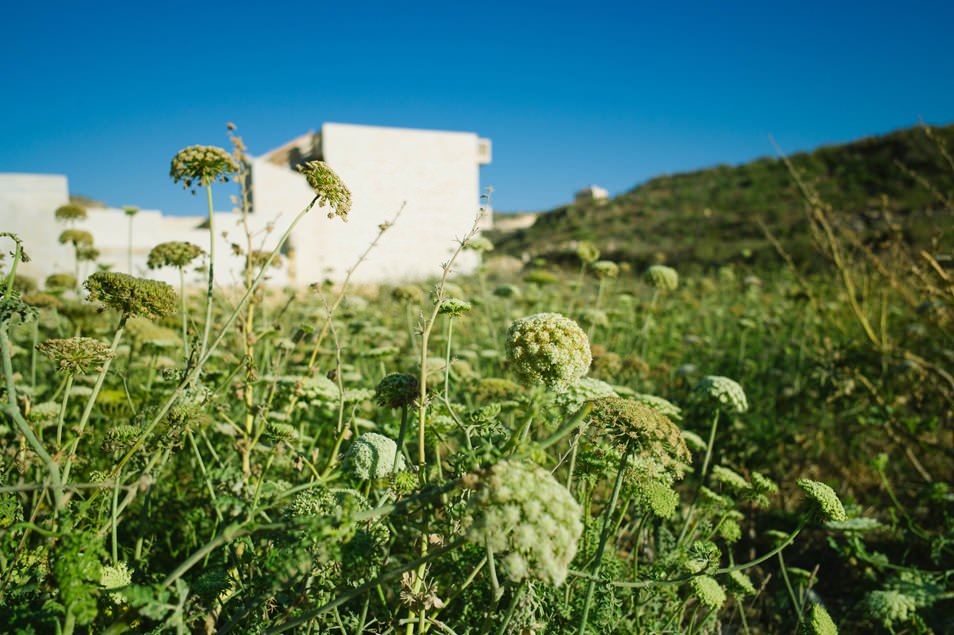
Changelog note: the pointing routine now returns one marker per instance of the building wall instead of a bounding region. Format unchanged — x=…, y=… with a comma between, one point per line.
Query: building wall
x=434, y=173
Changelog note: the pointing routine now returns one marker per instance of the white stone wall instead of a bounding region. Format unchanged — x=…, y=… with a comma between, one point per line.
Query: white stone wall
x=435, y=173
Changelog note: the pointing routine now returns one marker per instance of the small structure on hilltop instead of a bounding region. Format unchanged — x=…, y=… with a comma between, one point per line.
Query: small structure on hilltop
x=434, y=174
x=591, y=193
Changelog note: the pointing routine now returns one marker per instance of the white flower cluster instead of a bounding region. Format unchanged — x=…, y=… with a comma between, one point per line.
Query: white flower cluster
x=548, y=348
x=374, y=455
x=726, y=391
x=520, y=512
x=579, y=392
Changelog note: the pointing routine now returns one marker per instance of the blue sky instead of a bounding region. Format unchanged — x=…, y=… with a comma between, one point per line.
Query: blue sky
x=570, y=93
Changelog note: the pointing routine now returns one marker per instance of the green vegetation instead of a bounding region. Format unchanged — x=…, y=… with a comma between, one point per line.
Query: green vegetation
x=712, y=216
x=613, y=450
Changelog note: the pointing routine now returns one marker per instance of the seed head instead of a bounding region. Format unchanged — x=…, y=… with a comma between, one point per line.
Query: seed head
x=521, y=512
x=663, y=277
x=825, y=499
x=76, y=237
x=173, y=254
x=201, y=165
x=397, y=390
x=328, y=187
x=130, y=295
x=726, y=391
x=70, y=213
x=548, y=348
x=373, y=455
x=76, y=355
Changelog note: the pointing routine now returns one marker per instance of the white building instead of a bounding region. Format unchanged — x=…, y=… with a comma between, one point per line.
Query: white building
x=434, y=174
x=591, y=193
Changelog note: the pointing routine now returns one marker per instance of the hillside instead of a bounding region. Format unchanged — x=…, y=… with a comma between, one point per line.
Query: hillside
x=878, y=185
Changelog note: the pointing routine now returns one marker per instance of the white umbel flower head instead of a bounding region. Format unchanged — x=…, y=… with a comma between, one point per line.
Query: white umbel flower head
x=373, y=455
x=726, y=391
x=548, y=348
x=527, y=518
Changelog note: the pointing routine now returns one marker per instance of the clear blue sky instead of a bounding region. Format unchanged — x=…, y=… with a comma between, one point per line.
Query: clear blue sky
x=571, y=93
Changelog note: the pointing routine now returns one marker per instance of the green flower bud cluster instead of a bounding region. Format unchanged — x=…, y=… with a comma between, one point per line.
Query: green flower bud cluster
x=397, y=390
x=76, y=237
x=634, y=426
x=507, y=291
x=890, y=606
x=42, y=300
x=130, y=295
x=548, y=348
x=819, y=622
x=824, y=498
x=44, y=411
x=374, y=455
x=663, y=277
x=479, y=244
x=741, y=584
x=724, y=390
x=329, y=188
x=709, y=592
x=520, y=512
x=587, y=252
x=660, y=405
x=174, y=253
x=60, y=281
x=70, y=213
x=408, y=294
x=76, y=355
x=454, y=307
x=604, y=269
x=495, y=389
x=201, y=165
x=258, y=257
x=147, y=332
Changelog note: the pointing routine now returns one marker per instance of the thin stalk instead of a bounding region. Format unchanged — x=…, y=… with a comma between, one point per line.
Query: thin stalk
x=796, y=605
x=113, y=515
x=447, y=360
x=62, y=415
x=208, y=296
x=13, y=411
x=185, y=315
